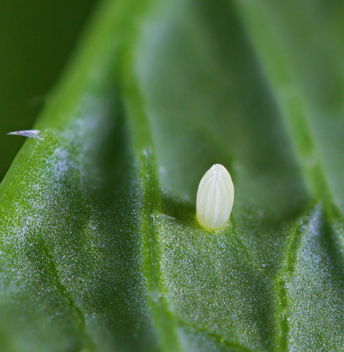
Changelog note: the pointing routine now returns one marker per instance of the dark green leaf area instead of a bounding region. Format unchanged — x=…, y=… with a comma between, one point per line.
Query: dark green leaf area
x=36, y=40
x=216, y=108
x=300, y=49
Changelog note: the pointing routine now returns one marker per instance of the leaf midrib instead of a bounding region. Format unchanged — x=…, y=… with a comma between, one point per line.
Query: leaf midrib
x=147, y=171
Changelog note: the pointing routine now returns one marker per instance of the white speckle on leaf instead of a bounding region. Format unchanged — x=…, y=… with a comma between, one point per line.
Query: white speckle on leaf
x=165, y=217
x=26, y=133
x=215, y=197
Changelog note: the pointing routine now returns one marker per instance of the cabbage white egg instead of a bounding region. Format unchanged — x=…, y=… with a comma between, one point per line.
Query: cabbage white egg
x=215, y=197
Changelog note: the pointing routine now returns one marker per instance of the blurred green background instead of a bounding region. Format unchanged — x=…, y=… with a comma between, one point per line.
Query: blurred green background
x=36, y=39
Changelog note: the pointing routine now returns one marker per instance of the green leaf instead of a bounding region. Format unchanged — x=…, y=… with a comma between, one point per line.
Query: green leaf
x=100, y=248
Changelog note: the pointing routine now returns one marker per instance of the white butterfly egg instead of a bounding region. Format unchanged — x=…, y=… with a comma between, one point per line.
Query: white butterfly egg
x=215, y=197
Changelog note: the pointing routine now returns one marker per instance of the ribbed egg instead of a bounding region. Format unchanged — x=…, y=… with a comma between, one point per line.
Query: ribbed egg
x=215, y=197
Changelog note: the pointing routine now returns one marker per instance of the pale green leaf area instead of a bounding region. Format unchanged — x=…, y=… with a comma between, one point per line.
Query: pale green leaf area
x=100, y=249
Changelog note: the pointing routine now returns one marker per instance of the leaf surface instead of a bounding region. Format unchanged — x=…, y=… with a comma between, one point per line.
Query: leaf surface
x=100, y=249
